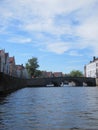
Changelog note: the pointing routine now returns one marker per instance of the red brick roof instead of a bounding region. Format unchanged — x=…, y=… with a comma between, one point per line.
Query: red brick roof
x=11, y=59
x=57, y=74
x=1, y=51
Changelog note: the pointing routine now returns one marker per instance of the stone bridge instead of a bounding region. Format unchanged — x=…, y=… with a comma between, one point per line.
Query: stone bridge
x=57, y=81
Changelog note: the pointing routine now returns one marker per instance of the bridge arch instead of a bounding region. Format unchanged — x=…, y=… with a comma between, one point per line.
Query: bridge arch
x=58, y=80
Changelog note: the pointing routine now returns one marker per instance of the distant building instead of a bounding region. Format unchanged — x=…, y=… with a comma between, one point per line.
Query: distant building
x=46, y=74
x=12, y=66
x=57, y=74
x=49, y=74
x=7, y=66
x=25, y=73
x=21, y=71
x=2, y=61
x=91, y=69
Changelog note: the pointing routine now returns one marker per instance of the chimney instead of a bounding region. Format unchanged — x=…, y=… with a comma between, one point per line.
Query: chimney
x=94, y=58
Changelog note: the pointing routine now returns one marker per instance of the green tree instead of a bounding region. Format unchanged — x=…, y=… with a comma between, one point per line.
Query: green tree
x=76, y=73
x=32, y=66
x=38, y=73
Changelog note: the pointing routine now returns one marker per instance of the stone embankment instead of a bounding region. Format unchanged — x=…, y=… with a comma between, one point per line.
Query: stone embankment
x=97, y=82
x=9, y=83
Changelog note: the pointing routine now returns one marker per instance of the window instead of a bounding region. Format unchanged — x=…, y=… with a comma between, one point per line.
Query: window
x=96, y=64
x=96, y=72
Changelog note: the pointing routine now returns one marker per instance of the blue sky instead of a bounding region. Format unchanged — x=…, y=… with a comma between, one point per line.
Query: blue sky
x=62, y=34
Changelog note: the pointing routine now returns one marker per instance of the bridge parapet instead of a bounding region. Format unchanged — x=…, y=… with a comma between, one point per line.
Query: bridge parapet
x=79, y=81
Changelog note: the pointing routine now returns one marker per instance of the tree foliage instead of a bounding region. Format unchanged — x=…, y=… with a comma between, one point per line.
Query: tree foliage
x=32, y=67
x=76, y=73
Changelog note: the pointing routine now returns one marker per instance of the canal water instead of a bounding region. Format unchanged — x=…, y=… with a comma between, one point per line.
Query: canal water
x=50, y=108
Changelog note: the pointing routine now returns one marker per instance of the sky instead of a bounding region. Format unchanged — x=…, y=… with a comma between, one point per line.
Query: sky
x=61, y=34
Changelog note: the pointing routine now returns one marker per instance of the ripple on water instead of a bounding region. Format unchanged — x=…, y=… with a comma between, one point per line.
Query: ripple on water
x=50, y=108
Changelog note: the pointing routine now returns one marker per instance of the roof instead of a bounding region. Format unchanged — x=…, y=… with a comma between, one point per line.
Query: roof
x=6, y=55
x=19, y=67
x=11, y=59
x=1, y=51
x=94, y=59
x=57, y=74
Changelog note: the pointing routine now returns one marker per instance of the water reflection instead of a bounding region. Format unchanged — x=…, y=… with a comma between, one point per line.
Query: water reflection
x=50, y=108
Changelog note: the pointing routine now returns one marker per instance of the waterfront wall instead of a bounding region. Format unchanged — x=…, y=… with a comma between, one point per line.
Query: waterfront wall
x=97, y=82
x=9, y=83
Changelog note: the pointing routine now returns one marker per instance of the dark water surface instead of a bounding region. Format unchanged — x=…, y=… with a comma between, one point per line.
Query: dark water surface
x=57, y=108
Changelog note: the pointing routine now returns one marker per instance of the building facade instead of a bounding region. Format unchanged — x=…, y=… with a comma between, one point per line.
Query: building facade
x=25, y=73
x=91, y=69
x=8, y=66
x=12, y=66
x=46, y=74
x=2, y=61
x=22, y=72
x=58, y=74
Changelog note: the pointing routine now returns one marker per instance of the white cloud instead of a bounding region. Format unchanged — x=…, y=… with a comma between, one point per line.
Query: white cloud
x=21, y=40
x=39, y=16
x=74, y=53
x=58, y=48
x=89, y=29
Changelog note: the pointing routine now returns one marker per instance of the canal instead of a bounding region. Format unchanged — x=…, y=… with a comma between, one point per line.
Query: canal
x=52, y=108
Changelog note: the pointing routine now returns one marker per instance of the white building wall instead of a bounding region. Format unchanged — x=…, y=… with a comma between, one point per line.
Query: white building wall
x=92, y=69
x=22, y=73
x=19, y=73
x=25, y=73
x=97, y=68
